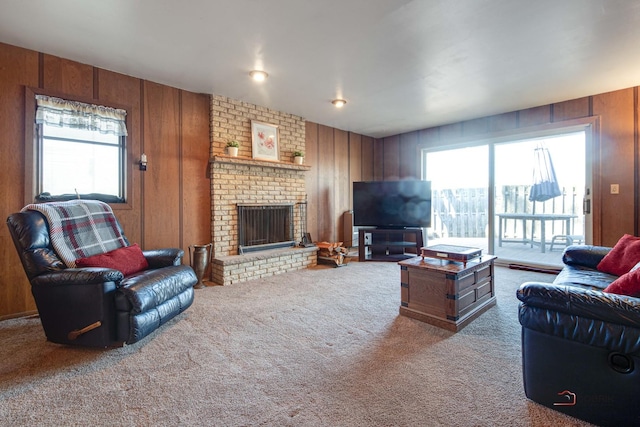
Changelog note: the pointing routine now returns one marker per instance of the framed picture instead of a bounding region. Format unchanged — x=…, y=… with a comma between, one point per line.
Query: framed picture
x=264, y=141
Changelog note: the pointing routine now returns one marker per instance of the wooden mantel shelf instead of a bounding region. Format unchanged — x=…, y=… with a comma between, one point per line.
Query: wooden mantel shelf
x=221, y=158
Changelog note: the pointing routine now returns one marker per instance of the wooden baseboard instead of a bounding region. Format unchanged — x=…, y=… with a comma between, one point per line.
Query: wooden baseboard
x=17, y=315
x=549, y=270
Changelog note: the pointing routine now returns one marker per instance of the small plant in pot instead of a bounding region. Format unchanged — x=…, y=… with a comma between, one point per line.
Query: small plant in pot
x=298, y=157
x=232, y=147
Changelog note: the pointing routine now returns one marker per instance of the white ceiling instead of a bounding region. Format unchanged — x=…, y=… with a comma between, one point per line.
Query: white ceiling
x=402, y=65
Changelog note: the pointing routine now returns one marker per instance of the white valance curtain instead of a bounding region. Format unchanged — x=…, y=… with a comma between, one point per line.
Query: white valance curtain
x=78, y=115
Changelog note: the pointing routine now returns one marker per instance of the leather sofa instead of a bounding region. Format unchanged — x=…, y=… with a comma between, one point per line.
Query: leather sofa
x=580, y=345
x=96, y=306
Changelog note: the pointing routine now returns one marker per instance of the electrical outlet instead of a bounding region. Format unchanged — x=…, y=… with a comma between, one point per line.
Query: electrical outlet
x=615, y=189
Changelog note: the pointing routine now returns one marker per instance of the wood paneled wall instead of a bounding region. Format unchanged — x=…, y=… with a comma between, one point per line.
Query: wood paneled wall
x=18, y=68
x=338, y=158
x=615, y=155
x=169, y=203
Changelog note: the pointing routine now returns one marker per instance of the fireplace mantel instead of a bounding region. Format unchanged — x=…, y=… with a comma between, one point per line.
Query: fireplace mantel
x=220, y=158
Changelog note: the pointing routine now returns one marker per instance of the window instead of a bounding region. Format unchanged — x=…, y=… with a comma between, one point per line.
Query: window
x=80, y=151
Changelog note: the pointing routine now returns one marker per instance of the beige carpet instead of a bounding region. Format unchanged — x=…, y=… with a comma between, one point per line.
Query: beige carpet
x=318, y=347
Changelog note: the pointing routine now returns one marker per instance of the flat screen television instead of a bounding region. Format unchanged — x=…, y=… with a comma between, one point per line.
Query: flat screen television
x=392, y=204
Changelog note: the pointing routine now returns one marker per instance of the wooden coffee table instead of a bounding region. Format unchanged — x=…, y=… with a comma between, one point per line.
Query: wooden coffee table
x=446, y=294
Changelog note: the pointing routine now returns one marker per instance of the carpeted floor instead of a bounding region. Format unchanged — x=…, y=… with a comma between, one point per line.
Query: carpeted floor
x=318, y=347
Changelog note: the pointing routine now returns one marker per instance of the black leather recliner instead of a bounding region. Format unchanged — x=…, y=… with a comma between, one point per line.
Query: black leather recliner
x=581, y=346
x=99, y=307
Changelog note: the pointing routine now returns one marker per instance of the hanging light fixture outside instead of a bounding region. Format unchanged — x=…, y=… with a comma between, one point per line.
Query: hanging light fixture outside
x=258, y=75
x=338, y=102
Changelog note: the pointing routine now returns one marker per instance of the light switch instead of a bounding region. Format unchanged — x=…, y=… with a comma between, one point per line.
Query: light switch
x=615, y=189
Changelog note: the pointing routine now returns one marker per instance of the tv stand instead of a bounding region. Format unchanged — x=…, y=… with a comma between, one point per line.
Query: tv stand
x=388, y=244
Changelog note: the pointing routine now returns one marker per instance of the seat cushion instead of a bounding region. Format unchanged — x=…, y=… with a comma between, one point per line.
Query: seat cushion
x=577, y=275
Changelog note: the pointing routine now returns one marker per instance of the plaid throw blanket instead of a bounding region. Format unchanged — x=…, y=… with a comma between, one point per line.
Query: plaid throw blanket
x=80, y=228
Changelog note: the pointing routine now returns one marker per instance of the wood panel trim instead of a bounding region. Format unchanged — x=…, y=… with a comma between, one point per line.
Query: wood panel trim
x=326, y=184
x=636, y=164
x=409, y=156
x=143, y=174
x=367, y=159
x=596, y=176
x=312, y=185
x=391, y=158
x=30, y=168
x=378, y=160
x=180, y=172
x=40, y=70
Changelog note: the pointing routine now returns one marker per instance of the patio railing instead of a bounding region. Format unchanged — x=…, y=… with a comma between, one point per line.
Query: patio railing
x=463, y=212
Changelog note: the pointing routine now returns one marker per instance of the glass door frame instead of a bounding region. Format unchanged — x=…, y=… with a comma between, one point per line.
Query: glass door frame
x=591, y=128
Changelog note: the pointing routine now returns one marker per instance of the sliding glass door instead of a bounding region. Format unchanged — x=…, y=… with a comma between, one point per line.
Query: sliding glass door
x=539, y=190
x=519, y=199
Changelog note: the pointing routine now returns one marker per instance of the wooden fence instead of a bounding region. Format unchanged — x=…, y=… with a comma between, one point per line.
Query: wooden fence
x=464, y=212
x=459, y=212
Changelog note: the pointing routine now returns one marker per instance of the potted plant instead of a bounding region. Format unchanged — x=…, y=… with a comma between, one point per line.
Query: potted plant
x=298, y=157
x=232, y=147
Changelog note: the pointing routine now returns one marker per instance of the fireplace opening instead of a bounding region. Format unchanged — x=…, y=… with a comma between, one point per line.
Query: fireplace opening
x=263, y=227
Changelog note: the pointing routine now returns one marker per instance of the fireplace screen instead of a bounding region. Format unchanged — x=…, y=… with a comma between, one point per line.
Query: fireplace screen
x=262, y=227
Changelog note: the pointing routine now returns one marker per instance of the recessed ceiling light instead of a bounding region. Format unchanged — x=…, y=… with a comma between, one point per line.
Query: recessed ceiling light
x=258, y=75
x=338, y=102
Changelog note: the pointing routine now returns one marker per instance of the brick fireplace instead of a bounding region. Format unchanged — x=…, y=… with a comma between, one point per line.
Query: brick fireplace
x=243, y=180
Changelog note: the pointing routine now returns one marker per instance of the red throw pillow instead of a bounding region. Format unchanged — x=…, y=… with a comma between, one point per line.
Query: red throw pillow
x=624, y=255
x=128, y=260
x=627, y=284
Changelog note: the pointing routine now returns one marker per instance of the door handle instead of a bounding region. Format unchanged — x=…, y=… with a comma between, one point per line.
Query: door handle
x=586, y=206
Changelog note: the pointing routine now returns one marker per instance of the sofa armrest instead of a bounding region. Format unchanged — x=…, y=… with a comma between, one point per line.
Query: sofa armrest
x=148, y=290
x=78, y=276
x=582, y=302
x=585, y=255
x=158, y=258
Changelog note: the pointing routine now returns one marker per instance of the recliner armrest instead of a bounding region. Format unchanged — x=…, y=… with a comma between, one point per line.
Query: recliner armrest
x=78, y=276
x=158, y=258
x=585, y=255
x=587, y=303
